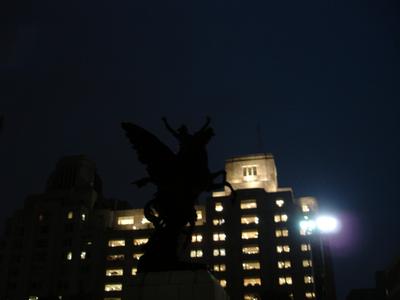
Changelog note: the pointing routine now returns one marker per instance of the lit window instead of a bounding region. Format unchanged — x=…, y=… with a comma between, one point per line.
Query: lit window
x=279, y=202
x=305, y=247
x=33, y=298
x=134, y=271
x=251, y=265
x=114, y=272
x=248, y=204
x=218, y=206
x=69, y=256
x=219, y=236
x=250, y=219
x=308, y=279
x=251, y=297
x=284, y=264
x=222, y=282
x=285, y=280
x=113, y=257
x=249, y=234
x=303, y=231
x=113, y=287
x=83, y=255
x=137, y=255
x=249, y=171
x=281, y=233
x=280, y=218
x=310, y=295
x=83, y=217
x=219, y=252
x=217, y=222
x=196, y=253
x=197, y=238
x=116, y=243
x=305, y=208
x=199, y=215
x=307, y=263
x=140, y=241
x=282, y=248
x=251, y=281
x=219, y=268
x=70, y=215
x=251, y=249
x=125, y=220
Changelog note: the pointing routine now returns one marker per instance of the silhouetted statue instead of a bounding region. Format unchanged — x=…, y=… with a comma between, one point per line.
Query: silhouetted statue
x=180, y=178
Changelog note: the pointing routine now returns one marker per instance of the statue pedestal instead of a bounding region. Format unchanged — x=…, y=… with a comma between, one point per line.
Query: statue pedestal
x=176, y=285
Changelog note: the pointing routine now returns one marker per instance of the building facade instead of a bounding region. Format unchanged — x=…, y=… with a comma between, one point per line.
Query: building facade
x=72, y=242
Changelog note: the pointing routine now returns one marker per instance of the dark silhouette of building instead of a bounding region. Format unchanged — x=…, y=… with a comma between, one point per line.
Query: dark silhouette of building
x=71, y=241
x=387, y=286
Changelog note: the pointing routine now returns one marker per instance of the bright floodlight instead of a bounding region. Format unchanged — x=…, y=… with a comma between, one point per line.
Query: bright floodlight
x=308, y=225
x=327, y=224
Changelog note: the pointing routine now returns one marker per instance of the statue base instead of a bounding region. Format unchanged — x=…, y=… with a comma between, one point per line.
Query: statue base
x=176, y=285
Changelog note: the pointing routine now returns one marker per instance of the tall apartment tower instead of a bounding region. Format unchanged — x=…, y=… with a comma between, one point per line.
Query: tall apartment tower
x=71, y=243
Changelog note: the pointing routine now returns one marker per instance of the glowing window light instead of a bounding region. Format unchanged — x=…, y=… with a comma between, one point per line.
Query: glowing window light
x=219, y=236
x=249, y=234
x=249, y=219
x=139, y=242
x=251, y=297
x=250, y=249
x=217, y=222
x=197, y=238
x=196, y=253
x=308, y=279
x=305, y=247
x=307, y=263
x=248, y=204
x=219, y=268
x=69, y=256
x=116, y=243
x=284, y=264
x=251, y=281
x=114, y=272
x=251, y=265
x=310, y=295
x=137, y=255
x=222, y=282
x=113, y=287
x=279, y=202
x=125, y=220
x=219, y=207
x=285, y=280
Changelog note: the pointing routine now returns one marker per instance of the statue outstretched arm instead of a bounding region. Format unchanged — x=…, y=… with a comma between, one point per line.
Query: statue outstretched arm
x=208, y=120
x=170, y=129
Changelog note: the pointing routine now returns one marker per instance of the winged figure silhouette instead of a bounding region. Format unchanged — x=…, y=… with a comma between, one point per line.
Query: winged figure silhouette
x=179, y=177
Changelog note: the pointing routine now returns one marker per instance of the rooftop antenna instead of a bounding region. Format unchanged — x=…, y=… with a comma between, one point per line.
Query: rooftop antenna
x=260, y=145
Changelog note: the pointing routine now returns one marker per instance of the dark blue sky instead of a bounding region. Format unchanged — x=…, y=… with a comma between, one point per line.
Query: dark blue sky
x=320, y=78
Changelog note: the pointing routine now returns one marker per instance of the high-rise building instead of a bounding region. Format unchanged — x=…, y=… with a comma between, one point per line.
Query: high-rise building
x=72, y=242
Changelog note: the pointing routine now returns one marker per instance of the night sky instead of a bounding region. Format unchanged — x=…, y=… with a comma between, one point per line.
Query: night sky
x=318, y=80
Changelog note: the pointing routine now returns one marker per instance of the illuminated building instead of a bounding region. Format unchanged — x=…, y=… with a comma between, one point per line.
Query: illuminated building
x=71, y=241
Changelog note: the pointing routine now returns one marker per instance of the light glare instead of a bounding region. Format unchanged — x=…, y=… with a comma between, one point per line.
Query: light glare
x=327, y=224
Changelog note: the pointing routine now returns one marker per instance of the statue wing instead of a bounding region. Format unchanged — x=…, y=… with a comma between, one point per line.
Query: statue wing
x=157, y=157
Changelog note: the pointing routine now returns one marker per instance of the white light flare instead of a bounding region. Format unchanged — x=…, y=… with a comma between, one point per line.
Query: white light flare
x=308, y=225
x=327, y=224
